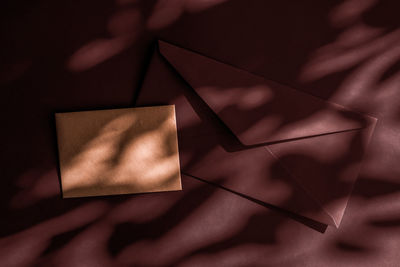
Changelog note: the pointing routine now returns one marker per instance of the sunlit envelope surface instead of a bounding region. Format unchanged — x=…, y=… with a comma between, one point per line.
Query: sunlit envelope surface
x=265, y=141
x=118, y=151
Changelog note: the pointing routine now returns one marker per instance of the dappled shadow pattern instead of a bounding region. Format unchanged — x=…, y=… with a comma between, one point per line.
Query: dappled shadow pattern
x=344, y=51
x=118, y=151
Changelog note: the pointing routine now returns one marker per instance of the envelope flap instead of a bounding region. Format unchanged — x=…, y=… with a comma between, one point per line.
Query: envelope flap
x=326, y=166
x=258, y=111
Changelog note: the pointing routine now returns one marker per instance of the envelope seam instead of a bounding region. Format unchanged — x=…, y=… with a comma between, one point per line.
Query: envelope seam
x=302, y=187
x=293, y=215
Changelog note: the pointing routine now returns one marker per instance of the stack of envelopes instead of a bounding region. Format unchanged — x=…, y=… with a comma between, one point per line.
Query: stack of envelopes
x=265, y=141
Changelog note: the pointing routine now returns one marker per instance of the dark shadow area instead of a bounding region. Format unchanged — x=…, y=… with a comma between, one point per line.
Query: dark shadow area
x=372, y=187
x=390, y=72
x=58, y=241
x=347, y=247
x=383, y=14
x=395, y=222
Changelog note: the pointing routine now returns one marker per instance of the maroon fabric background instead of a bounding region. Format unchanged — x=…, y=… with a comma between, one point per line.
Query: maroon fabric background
x=77, y=55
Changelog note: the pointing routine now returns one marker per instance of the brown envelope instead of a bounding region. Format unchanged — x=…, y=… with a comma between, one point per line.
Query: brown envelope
x=118, y=151
x=265, y=141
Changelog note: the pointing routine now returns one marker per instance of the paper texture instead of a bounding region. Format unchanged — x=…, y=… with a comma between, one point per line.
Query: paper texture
x=118, y=151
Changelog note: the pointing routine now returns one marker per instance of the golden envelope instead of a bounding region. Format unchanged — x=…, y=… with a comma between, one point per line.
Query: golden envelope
x=118, y=151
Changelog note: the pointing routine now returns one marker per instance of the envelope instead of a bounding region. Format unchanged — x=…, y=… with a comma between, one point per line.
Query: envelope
x=118, y=151
x=257, y=138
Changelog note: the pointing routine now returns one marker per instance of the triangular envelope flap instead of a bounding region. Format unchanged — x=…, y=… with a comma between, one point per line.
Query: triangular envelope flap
x=257, y=110
x=162, y=86
x=326, y=166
